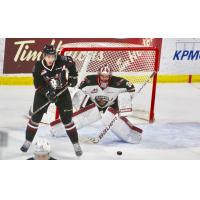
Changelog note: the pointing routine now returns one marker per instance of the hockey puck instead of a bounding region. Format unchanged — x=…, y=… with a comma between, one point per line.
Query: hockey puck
x=119, y=153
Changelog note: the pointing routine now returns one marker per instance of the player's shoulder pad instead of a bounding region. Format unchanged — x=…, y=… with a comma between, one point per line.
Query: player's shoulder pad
x=37, y=66
x=67, y=59
x=118, y=81
x=116, y=78
x=91, y=79
x=121, y=82
x=88, y=81
x=38, y=63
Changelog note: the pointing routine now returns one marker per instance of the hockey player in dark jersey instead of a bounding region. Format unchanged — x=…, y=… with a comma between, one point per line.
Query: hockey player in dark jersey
x=104, y=88
x=49, y=77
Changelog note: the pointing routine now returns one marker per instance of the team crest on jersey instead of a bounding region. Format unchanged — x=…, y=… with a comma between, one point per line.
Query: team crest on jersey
x=101, y=100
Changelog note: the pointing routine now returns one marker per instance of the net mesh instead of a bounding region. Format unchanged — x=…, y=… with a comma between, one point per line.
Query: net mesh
x=135, y=64
x=119, y=61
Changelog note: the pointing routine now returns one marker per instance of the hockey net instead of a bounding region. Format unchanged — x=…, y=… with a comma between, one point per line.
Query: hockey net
x=137, y=64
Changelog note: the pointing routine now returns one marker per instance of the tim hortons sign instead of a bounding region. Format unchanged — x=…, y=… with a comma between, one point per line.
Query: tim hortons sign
x=22, y=53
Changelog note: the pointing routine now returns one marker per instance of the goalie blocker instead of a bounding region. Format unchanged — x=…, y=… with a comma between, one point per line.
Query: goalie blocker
x=121, y=127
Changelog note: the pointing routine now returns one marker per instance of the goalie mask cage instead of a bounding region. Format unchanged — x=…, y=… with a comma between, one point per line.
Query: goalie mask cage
x=136, y=64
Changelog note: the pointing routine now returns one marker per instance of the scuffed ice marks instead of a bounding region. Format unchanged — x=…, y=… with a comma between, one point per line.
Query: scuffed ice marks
x=171, y=135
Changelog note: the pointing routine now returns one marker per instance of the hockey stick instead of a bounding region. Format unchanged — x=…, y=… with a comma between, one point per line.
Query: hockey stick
x=39, y=109
x=145, y=83
x=97, y=139
x=28, y=117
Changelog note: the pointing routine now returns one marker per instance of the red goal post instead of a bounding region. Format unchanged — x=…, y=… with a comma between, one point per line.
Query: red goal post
x=136, y=64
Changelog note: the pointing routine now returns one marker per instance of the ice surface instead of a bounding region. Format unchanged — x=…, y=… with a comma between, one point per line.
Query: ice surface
x=174, y=135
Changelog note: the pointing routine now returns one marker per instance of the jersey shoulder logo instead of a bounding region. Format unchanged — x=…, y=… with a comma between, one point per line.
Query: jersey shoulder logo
x=67, y=58
x=129, y=84
x=43, y=72
x=95, y=90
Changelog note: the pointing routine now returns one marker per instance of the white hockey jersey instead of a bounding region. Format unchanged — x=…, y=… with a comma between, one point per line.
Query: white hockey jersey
x=105, y=97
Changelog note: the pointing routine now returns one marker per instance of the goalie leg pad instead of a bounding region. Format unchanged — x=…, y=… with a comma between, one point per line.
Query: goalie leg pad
x=122, y=127
x=86, y=116
x=81, y=118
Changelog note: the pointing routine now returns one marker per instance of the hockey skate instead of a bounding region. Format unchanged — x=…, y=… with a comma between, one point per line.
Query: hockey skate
x=25, y=147
x=77, y=149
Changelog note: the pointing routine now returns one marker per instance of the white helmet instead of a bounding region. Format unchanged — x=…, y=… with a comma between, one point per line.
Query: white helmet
x=105, y=70
x=42, y=147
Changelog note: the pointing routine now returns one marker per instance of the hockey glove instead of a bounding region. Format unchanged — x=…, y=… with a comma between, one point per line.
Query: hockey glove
x=51, y=96
x=72, y=81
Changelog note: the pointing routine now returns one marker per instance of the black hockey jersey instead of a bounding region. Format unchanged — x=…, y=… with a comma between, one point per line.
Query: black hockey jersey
x=55, y=76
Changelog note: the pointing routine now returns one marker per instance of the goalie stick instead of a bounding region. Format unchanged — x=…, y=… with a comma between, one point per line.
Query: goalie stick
x=147, y=81
x=95, y=140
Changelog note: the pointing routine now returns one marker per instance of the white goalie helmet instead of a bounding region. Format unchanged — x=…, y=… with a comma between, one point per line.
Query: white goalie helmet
x=42, y=147
x=105, y=70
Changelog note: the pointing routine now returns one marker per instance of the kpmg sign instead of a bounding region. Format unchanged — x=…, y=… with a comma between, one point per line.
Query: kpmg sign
x=180, y=56
x=186, y=55
x=187, y=50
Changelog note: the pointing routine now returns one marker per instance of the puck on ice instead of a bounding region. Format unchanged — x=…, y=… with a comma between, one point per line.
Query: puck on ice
x=119, y=153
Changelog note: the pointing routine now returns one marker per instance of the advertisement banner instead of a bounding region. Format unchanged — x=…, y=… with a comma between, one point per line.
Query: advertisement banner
x=22, y=53
x=180, y=56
